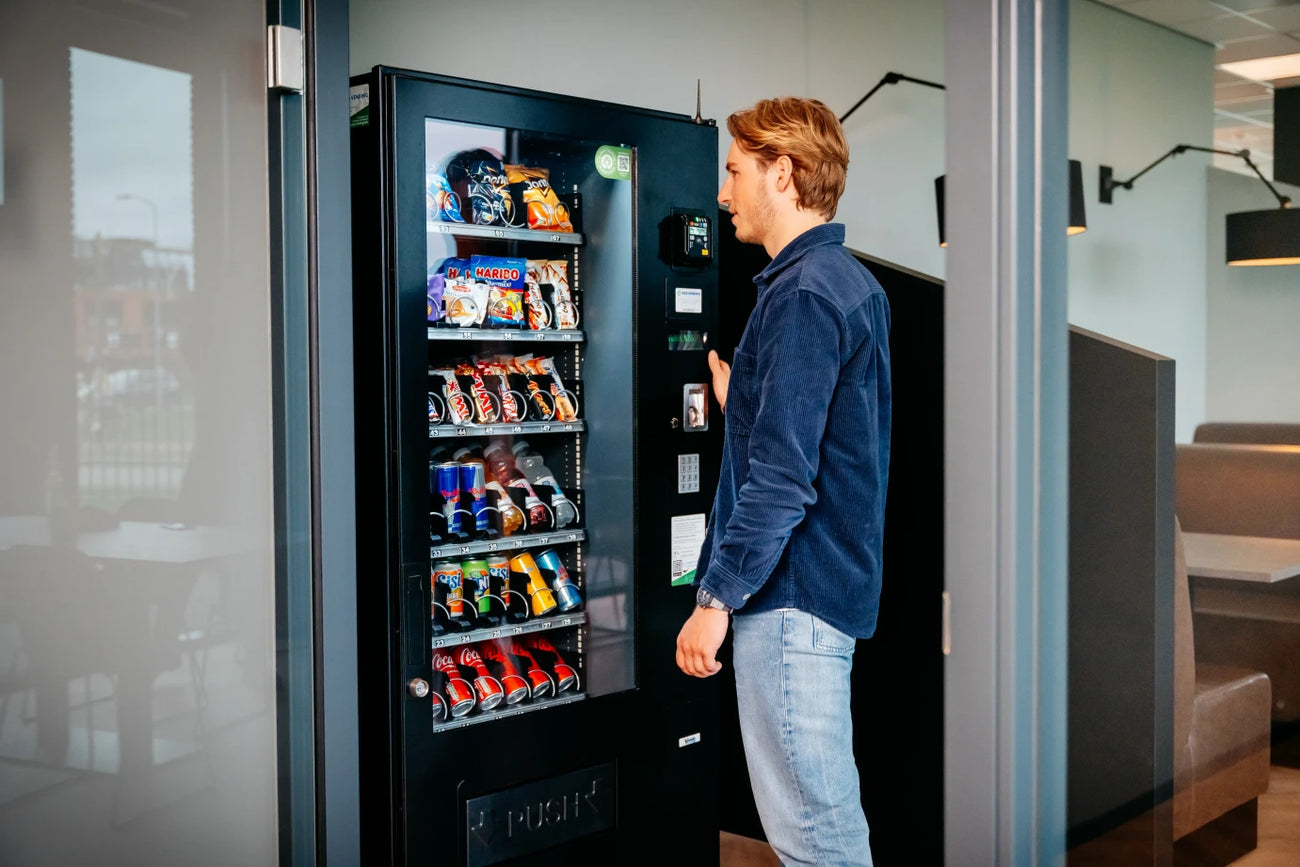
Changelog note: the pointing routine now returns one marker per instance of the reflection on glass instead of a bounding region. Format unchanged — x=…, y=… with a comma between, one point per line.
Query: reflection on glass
x=136, y=581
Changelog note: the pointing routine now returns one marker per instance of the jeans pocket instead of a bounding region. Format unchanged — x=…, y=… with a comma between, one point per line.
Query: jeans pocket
x=829, y=639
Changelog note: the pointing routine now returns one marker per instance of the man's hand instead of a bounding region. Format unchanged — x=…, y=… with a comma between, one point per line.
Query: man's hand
x=721, y=377
x=699, y=640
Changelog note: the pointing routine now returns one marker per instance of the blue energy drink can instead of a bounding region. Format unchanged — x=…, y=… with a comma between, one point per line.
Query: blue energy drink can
x=473, y=481
x=447, y=476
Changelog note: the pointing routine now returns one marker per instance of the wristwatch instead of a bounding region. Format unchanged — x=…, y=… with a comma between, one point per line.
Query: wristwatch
x=705, y=599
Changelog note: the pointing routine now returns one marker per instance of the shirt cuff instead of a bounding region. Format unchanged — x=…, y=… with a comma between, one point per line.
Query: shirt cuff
x=733, y=591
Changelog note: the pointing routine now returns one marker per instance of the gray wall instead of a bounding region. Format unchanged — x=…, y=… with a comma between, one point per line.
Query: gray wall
x=1252, y=351
x=650, y=54
x=1138, y=274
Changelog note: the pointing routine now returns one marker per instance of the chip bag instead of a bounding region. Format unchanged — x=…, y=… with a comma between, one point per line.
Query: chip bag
x=545, y=210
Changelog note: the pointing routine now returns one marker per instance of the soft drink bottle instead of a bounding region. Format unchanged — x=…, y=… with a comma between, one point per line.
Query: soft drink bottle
x=516, y=688
x=565, y=675
x=502, y=464
x=460, y=695
x=532, y=465
x=486, y=687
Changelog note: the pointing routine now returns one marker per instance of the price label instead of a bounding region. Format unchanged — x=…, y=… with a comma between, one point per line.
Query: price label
x=566, y=336
x=462, y=432
x=546, y=428
x=555, y=237
x=517, y=429
x=568, y=427
x=519, y=543
x=507, y=335
x=498, y=233
x=492, y=546
x=438, y=642
x=465, y=335
x=464, y=549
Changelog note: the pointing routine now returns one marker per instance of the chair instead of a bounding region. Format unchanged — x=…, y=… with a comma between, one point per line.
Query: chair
x=1221, y=744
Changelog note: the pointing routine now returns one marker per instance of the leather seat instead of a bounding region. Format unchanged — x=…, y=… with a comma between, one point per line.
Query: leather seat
x=1221, y=725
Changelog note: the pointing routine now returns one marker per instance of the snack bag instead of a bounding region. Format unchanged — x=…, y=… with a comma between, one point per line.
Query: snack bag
x=464, y=299
x=545, y=366
x=459, y=410
x=545, y=210
x=478, y=175
x=540, y=317
x=556, y=274
x=433, y=296
x=441, y=204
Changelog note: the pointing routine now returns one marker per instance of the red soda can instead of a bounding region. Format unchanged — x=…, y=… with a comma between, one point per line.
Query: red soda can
x=516, y=688
x=538, y=679
x=460, y=695
x=439, y=706
x=486, y=687
x=565, y=675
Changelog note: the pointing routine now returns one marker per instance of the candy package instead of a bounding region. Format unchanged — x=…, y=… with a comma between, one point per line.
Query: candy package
x=464, y=299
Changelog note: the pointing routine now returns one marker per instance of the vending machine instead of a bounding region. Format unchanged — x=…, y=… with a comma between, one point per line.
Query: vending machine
x=536, y=273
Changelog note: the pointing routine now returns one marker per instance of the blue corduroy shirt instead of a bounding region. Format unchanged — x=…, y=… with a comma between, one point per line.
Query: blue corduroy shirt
x=798, y=518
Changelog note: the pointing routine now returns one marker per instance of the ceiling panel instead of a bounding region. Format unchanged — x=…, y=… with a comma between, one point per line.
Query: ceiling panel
x=1285, y=18
x=1173, y=12
x=1225, y=28
x=1249, y=49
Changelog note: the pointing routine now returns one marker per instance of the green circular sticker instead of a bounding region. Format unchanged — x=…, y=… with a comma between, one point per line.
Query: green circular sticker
x=614, y=163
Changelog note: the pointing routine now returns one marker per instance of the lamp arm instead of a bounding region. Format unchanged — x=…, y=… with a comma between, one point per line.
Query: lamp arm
x=889, y=78
x=1283, y=201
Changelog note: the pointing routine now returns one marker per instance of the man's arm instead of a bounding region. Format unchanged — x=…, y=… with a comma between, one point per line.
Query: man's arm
x=797, y=369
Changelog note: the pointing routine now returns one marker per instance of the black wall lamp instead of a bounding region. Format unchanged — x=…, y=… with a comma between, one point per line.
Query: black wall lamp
x=1078, y=215
x=1253, y=237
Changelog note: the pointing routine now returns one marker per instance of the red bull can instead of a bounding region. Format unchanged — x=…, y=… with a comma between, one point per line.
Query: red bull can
x=473, y=481
x=447, y=477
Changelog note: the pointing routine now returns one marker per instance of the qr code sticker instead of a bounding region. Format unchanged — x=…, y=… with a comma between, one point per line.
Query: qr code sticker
x=625, y=162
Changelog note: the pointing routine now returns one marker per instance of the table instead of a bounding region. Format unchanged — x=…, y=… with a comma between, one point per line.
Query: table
x=1241, y=558
x=148, y=570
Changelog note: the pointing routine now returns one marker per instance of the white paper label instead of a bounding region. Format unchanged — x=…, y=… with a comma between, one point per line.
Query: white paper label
x=689, y=300
x=687, y=539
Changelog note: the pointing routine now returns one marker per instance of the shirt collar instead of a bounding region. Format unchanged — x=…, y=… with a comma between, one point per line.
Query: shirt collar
x=823, y=235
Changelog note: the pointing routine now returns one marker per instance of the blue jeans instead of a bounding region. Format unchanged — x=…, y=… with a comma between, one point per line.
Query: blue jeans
x=792, y=686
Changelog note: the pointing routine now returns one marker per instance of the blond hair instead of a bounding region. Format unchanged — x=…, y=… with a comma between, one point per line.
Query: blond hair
x=808, y=133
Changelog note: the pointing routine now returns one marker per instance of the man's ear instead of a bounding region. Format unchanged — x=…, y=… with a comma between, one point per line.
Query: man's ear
x=784, y=168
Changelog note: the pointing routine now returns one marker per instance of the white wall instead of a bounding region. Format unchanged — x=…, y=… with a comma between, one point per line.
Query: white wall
x=1139, y=274
x=650, y=54
x=1253, y=313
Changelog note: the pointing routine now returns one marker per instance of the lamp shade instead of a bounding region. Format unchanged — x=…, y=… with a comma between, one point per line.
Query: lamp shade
x=1078, y=215
x=1264, y=237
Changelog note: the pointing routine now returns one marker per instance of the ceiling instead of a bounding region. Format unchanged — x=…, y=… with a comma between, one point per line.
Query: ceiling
x=1240, y=30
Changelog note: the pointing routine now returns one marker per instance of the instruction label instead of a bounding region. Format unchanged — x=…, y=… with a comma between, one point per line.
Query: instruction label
x=687, y=539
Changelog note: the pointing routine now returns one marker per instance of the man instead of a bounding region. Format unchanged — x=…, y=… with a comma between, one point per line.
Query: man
x=794, y=544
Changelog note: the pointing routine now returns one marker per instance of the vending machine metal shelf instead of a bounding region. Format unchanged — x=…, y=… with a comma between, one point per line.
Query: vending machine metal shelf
x=541, y=624
x=503, y=233
x=491, y=335
x=508, y=543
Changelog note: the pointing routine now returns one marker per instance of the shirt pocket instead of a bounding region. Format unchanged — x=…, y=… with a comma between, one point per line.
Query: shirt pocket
x=742, y=394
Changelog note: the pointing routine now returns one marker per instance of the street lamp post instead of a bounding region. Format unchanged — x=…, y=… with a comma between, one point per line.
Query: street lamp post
x=157, y=308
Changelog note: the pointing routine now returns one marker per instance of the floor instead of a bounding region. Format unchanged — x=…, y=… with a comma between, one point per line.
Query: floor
x=1279, y=830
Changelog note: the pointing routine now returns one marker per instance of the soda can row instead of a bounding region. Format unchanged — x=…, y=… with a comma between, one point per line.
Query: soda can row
x=491, y=674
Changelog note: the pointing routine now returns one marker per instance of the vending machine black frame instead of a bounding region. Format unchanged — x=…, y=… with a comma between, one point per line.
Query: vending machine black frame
x=656, y=744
